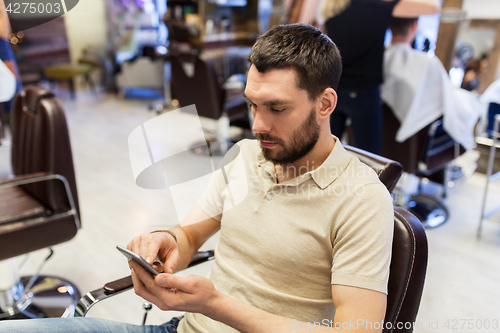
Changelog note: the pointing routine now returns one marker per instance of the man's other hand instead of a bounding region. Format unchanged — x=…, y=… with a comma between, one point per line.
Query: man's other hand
x=159, y=245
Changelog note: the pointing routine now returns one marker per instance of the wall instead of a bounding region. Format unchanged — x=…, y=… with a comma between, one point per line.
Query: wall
x=482, y=9
x=481, y=40
x=86, y=26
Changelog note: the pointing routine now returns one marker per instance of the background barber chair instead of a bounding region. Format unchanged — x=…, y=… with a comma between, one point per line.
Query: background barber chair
x=142, y=72
x=427, y=154
x=194, y=81
x=38, y=206
x=408, y=263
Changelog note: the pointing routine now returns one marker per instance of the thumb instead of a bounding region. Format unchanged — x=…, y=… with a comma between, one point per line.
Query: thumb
x=169, y=281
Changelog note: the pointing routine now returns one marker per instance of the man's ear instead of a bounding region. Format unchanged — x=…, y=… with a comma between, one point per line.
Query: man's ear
x=327, y=102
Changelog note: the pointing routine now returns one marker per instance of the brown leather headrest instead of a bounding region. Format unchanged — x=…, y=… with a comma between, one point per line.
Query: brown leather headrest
x=32, y=95
x=388, y=171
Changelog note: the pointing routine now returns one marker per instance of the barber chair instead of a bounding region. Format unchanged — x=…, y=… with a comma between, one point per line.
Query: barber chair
x=194, y=81
x=38, y=206
x=407, y=272
x=388, y=171
x=407, y=269
x=409, y=251
x=142, y=72
x=427, y=154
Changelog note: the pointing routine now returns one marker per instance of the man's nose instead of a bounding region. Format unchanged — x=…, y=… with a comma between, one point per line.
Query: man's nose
x=261, y=123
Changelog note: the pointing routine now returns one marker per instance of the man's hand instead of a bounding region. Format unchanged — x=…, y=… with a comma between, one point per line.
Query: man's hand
x=197, y=294
x=187, y=292
x=169, y=292
x=159, y=245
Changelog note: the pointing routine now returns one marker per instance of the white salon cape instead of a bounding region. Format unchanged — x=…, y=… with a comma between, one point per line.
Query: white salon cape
x=491, y=94
x=7, y=83
x=419, y=91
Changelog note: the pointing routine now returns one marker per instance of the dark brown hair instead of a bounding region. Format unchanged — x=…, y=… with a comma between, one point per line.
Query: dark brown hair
x=306, y=49
x=401, y=26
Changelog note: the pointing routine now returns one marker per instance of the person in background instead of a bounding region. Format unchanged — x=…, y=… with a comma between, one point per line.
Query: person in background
x=184, y=32
x=470, y=81
x=474, y=72
x=7, y=56
x=418, y=89
x=358, y=28
x=301, y=11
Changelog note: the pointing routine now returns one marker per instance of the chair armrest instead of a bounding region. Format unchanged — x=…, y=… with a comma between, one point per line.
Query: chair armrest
x=41, y=177
x=118, y=286
x=121, y=285
x=12, y=181
x=201, y=257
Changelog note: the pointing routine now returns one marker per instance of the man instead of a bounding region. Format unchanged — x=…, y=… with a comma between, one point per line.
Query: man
x=418, y=89
x=312, y=240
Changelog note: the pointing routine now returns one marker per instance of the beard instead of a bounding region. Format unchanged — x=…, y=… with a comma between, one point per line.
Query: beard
x=301, y=143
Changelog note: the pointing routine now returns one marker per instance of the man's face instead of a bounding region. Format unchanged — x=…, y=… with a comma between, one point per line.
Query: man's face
x=285, y=119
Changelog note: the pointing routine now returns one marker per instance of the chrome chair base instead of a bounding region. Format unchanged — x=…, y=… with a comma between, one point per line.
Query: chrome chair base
x=50, y=297
x=430, y=211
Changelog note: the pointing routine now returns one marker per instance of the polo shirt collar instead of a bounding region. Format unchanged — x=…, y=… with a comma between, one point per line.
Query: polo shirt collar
x=331, y=169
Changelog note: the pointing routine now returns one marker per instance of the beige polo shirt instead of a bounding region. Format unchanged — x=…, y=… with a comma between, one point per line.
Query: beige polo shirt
x=283, y=245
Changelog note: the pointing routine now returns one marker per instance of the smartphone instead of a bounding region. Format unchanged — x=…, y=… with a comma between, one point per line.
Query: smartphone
x=138, y=259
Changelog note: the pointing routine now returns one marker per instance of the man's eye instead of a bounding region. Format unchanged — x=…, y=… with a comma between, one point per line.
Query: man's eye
x=277, y=110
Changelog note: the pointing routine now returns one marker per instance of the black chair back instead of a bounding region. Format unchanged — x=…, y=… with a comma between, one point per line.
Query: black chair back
x=40, y=143
x=407, y=272
x=194, y=81
x=388, y=171
x=425, y=153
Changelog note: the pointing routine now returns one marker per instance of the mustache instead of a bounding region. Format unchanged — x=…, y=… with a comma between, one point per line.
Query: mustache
x=267, y=137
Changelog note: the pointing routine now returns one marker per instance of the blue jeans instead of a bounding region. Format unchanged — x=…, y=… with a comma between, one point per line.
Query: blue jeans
x=364, y=108
x=82, y=325
x=493, y=110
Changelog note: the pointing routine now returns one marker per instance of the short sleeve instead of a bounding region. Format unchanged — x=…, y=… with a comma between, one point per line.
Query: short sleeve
x=228, y=186
x=362, y=242
x=211, y=201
